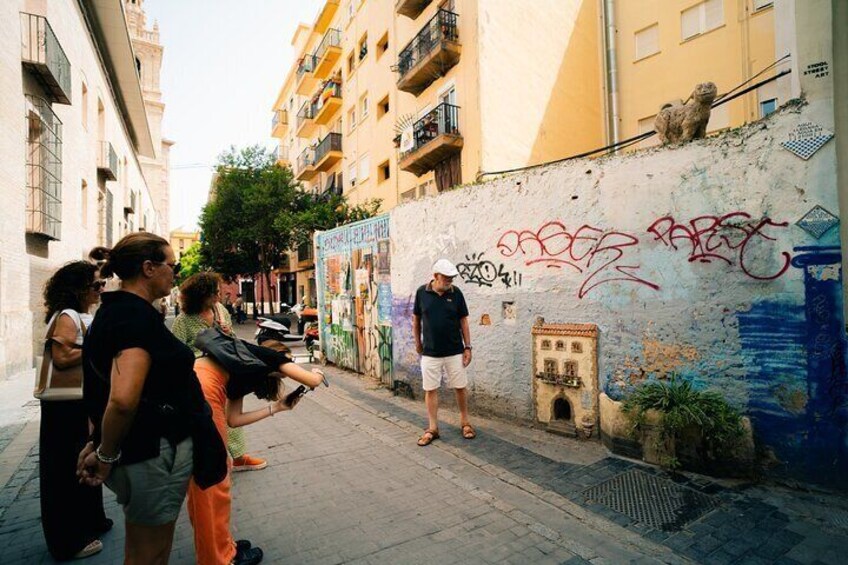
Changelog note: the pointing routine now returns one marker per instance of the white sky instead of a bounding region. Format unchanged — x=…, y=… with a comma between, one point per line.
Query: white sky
x=224, y=63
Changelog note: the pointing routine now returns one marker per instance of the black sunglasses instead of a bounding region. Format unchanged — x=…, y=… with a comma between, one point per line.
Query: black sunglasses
x=97, y=285
x=174, y=266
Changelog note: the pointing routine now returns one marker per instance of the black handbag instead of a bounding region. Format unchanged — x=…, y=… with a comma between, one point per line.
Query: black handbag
x=231, y=352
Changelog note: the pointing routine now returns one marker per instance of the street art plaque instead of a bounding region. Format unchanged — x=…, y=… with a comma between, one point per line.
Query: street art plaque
x=817, y=222
x=806, y=139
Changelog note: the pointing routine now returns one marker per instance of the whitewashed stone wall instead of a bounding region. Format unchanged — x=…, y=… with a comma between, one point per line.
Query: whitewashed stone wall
x=688, y=259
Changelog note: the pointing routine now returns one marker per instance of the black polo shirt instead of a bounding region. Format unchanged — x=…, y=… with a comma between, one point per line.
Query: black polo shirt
x=171, y=393
x=440, y=315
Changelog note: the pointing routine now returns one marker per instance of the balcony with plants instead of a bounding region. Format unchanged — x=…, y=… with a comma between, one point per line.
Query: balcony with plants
x=432, y=139
x=431, y=54
x=44, y=57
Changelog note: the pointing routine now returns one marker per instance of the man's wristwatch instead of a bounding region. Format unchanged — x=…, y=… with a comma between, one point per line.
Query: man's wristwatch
x=468, y=347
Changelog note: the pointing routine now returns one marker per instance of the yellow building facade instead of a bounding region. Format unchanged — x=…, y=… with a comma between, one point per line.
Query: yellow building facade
x=663, y=48
x=181, y=239
x=398, y=99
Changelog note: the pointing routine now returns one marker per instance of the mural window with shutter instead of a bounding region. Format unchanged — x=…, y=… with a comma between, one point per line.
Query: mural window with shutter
x=576, y=347
x=546, y=344
x=560, y=345
x=550, y=368
x=570, y=369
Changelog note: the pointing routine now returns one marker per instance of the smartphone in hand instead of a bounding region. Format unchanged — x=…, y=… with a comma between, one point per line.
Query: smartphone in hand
x=294, y=395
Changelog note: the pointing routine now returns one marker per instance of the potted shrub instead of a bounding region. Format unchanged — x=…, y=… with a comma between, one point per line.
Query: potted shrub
x=681, y=426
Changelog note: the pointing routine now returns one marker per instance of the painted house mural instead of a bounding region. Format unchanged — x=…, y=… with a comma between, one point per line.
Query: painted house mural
x=719, y=261
x=355, y=297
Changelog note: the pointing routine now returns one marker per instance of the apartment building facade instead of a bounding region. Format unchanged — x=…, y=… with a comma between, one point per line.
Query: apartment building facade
x=74, y=131
x=396, y=100
x=660, y=49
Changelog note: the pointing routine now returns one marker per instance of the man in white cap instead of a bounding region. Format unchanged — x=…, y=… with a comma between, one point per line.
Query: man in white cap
x=442, y=338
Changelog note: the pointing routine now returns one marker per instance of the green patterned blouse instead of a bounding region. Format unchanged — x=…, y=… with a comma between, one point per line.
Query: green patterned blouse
x=187, y=326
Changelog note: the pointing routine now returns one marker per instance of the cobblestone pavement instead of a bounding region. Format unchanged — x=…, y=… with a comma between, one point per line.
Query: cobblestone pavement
x=346, y=483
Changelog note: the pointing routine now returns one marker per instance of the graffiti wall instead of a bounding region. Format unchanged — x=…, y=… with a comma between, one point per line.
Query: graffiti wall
x=355, y=297
x=718, y=261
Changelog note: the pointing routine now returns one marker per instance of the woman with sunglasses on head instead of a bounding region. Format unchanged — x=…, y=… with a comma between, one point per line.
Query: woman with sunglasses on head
x=68, y=296
x=143, y=397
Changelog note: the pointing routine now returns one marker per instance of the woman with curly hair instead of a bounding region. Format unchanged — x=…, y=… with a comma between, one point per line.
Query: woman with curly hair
x=68, y=296
x=202, y=309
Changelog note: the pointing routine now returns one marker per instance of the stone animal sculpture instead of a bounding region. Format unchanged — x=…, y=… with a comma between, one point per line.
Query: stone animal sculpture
x=678, y=122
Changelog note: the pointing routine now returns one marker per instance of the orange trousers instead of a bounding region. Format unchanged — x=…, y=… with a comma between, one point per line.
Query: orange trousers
x=209, y=510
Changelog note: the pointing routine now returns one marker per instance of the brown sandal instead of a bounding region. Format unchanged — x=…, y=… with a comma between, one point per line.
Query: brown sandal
x=468, y=431
x=426, y=439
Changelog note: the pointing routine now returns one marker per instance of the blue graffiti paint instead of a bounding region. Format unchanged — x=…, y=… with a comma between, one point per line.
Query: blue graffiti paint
x=827, y=383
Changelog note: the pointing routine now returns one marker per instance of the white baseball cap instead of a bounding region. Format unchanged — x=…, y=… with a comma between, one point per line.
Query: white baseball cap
x=445, y=267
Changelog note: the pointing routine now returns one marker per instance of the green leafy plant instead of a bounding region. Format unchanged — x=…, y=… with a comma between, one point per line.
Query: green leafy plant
x=685, y=410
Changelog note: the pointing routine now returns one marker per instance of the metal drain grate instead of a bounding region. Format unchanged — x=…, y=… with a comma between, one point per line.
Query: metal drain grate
x=653, y=501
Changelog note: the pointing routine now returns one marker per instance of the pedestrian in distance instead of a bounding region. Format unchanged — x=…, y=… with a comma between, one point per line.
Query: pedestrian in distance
x=443, y=340
x=210, y=509
x=239, y=306
x=202, y=309
x=145, y=401
x=72, y=516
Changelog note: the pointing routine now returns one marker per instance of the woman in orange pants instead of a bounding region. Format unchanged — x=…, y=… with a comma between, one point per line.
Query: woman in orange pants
x=209, y=509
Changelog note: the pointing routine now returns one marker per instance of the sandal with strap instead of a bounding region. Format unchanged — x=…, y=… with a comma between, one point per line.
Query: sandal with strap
x=95, y=546
x=468, y=431
x=427, y=437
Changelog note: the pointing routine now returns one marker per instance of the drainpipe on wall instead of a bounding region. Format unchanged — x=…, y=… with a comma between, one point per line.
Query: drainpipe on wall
x=612, y=70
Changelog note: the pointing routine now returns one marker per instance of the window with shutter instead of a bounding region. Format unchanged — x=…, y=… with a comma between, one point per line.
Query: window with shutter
x=364, y=167
x=713, y=14
x=690, y=22
x=647, y=41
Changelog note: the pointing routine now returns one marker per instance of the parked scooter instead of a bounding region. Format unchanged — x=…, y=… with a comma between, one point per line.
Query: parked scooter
x=277, y=328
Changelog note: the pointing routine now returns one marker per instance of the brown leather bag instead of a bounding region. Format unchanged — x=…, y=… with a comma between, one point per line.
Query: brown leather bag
x=53, y=383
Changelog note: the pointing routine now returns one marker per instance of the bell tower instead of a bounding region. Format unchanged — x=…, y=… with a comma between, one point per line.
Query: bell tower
x=148, y=59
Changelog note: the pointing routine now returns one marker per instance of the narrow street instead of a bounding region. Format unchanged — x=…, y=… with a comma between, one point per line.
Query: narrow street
x=346, y=483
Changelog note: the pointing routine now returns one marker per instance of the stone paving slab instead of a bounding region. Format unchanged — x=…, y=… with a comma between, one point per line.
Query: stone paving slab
x=346, y=483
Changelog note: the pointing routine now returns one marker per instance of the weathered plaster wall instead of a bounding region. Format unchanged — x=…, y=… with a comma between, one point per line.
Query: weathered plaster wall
x=688, y=259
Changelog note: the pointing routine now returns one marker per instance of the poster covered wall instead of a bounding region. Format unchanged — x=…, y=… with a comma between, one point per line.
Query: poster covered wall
x=355, y=297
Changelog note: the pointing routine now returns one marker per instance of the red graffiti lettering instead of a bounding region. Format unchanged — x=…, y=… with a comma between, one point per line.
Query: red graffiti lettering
x=729, y=238
x=588, y=250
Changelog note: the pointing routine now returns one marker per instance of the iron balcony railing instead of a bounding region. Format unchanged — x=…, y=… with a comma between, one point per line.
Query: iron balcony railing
x=42, y=53
x=441, y=27
x=279, y=117
x=306, y=159
x=43, y=169
x=107, y=160
x=306, y=65
x=333, y=38
x=333, y=142
x=443, y=119
x=306, y=112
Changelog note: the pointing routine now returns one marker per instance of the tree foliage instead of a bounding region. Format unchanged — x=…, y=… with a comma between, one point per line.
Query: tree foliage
x=260, y=211
x=190, y=262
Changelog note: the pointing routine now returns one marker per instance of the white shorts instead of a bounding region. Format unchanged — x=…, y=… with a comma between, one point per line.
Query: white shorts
x=431, y=370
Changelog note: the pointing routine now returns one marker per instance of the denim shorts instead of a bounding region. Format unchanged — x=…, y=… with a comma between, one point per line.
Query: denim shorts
x=152, y=491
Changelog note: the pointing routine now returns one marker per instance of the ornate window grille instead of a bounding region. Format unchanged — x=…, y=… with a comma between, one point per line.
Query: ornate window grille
x=43, y=169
